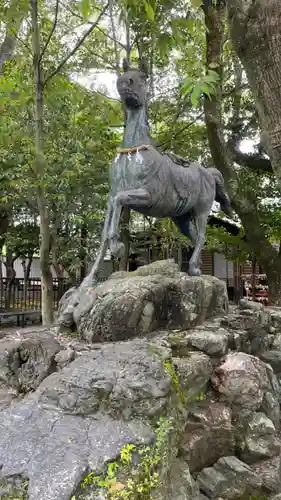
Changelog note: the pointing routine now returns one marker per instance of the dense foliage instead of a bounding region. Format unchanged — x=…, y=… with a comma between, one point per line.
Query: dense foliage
x=81, y=44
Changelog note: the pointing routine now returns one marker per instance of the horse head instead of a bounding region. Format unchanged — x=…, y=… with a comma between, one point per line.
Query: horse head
x=132, y=85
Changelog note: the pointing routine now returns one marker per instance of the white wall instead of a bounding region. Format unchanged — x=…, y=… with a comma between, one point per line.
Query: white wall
x=223, y=268
x=34, y=272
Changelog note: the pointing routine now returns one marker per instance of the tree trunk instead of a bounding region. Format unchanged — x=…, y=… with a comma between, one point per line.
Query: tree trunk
x=244, y=204
x=255, y=30
x=10, y=278
x=253, y=278
x=56, y=264
x=83, y=253
x=39, y=166
x=26, y=273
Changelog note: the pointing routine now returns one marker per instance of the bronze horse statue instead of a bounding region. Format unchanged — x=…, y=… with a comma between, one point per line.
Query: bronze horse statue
x=155, y=184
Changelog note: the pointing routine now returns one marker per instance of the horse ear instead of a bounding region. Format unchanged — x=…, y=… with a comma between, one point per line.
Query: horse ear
x=143, y=65
x=125, y=65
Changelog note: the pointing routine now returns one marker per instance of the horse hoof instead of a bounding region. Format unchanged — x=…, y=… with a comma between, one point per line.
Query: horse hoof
x=194, y=271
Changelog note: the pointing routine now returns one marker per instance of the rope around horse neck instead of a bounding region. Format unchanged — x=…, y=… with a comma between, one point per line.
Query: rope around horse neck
x=135, y=149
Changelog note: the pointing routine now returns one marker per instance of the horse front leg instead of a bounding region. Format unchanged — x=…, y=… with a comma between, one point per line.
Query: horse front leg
x=131, y=198
x=201, y=224
x=92, y=277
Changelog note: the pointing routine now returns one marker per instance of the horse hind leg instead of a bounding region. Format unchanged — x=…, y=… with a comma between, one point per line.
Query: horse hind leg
x=184, y=223
x=186, y=227
x=201, y=224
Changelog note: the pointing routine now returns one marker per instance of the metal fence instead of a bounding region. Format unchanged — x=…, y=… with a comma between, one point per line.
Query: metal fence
x=21, y=295
x=18, y=294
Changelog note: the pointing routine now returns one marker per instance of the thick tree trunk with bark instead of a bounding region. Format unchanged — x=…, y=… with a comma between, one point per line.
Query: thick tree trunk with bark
x=10, y=275
x=244, y=203
x=255, y=30
x=39, y=168
x=26, y=265
x=83, y=252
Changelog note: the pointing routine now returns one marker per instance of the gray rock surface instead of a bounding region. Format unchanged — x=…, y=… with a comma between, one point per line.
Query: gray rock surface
x=269, y=471
x=64, y=357
x=7, y=396
x=104, y=395
x=26, y=359
x=228, y=479
x=260, y=439
x=249, y=304
x=133, y=304
x=208, y=338
x=55, y=450
x=273, y=358
x=80, y=417
x=208, y=435
x=179, y=485
x=193, y=372
x=248, y=384
x=121, y=379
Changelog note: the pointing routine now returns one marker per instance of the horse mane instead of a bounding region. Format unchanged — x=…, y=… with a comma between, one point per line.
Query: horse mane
x=179, y=160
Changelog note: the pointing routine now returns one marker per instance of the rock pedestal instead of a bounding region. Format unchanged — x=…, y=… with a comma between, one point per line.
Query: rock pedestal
x=69, y=406
x=157, y=296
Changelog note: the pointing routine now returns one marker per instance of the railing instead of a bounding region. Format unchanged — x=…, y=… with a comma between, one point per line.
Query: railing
x=20, y=295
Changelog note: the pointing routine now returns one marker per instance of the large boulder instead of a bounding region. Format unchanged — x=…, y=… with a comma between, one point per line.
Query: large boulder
x=269, y=471
x=209, y=338
x=121, y=379
x=229, y=479
x=258, y=439
x=248, y=384
x=26, y=359
x=193, y=372
x=179, y=484
x=133, y=304
x=208, y=435
x=79, y=418
x=273, y=358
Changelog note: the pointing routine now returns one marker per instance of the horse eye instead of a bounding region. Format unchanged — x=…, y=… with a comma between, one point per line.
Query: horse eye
x=131, y=81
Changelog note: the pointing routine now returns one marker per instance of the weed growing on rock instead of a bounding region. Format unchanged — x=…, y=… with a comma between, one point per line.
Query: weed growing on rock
x=175, y=379
x=136, y=473
x=200, y=397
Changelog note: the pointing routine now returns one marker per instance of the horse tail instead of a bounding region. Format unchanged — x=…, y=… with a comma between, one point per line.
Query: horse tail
x=221, y=195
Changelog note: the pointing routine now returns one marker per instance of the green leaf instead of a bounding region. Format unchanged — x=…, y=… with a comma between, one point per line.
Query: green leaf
x=196, y=3
x=85, y=8
x=195, y=95
x=187, y=86
x=206, y=90
x=149, y=11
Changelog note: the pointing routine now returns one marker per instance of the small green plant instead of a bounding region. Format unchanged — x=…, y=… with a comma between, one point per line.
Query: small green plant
x=141, y=470
x=175, y=379
x=199, y=397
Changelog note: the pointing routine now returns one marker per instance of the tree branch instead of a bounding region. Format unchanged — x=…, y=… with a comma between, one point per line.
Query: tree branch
x=253, y=161
x=179, y=132
x=116, y=53
x=77, y=46
x=214, y=18
x=51, y=32
x=111, y=38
